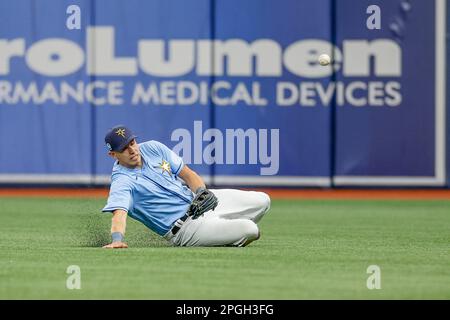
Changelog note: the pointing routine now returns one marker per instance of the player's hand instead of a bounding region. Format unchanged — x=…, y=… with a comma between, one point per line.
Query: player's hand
x=116, y=245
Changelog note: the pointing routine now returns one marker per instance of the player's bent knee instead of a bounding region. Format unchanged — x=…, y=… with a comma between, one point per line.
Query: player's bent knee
x=265, y=201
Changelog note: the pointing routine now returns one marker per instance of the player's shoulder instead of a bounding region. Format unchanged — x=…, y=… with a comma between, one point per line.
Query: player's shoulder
x=120, y=174
x=122, y=181
x=151, y=147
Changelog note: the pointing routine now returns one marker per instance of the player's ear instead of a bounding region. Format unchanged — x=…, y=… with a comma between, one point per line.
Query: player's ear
x=112, y=154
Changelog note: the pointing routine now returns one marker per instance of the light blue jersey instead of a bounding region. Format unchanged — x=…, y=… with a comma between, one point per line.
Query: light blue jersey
x=152, y=194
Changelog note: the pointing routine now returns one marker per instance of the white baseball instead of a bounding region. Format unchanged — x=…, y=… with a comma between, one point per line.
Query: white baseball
x=324, y=59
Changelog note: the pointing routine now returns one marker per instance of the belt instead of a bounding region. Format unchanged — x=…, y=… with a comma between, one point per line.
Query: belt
x=177, y=225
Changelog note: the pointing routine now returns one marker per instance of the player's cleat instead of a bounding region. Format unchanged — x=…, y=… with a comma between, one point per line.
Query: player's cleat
x=246, y=242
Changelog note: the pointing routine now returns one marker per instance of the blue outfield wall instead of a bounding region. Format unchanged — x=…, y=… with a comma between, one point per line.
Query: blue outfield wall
x=232, y=86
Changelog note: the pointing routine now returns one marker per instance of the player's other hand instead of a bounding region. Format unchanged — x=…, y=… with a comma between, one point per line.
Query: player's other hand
x=116, y=245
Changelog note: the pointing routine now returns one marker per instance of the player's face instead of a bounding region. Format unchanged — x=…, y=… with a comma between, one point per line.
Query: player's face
x=130, y=156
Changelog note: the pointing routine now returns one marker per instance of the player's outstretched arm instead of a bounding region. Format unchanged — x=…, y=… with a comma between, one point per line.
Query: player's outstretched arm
x=118, y=226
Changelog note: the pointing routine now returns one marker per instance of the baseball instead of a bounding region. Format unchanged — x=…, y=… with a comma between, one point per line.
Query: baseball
x=324, y=59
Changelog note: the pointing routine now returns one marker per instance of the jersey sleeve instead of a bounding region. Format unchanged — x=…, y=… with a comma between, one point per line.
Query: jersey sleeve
x=120, y=196
x=176, y=162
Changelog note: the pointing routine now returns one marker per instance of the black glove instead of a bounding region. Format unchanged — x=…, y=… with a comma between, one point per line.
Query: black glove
x=203, y=201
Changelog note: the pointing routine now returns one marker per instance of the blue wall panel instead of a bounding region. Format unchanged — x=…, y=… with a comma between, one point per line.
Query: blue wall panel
x=254, y=65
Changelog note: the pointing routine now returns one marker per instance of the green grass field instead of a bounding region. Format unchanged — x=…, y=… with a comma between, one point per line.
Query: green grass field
x=308, y=250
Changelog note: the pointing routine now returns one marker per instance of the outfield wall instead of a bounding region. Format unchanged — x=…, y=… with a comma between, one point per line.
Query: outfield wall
x=232, y=86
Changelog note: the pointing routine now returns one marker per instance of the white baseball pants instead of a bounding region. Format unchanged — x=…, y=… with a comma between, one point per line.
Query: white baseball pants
x=232, y=223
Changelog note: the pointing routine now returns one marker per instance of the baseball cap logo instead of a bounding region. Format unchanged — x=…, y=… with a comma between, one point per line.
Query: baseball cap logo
x=121, y=132
x=109, y=146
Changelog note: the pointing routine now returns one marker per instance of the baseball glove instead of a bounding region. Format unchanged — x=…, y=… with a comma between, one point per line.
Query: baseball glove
x=203, y=201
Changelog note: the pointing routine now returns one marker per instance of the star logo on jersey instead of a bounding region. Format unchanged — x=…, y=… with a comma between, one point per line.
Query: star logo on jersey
x=165, y=166
x=121, y=132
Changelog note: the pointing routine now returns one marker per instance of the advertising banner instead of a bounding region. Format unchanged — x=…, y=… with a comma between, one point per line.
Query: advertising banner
x=234, y=87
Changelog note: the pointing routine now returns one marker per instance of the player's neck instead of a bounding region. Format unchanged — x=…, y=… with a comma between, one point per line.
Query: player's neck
x=139, y=165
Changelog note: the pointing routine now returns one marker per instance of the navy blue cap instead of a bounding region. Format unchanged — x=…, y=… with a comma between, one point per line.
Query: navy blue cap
x=118, y=137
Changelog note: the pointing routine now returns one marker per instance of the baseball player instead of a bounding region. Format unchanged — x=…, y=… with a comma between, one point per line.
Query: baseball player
x=146, y=185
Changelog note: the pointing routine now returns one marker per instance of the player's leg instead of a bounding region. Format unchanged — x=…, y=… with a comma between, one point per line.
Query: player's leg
x=214, y=231
x=240, y=204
